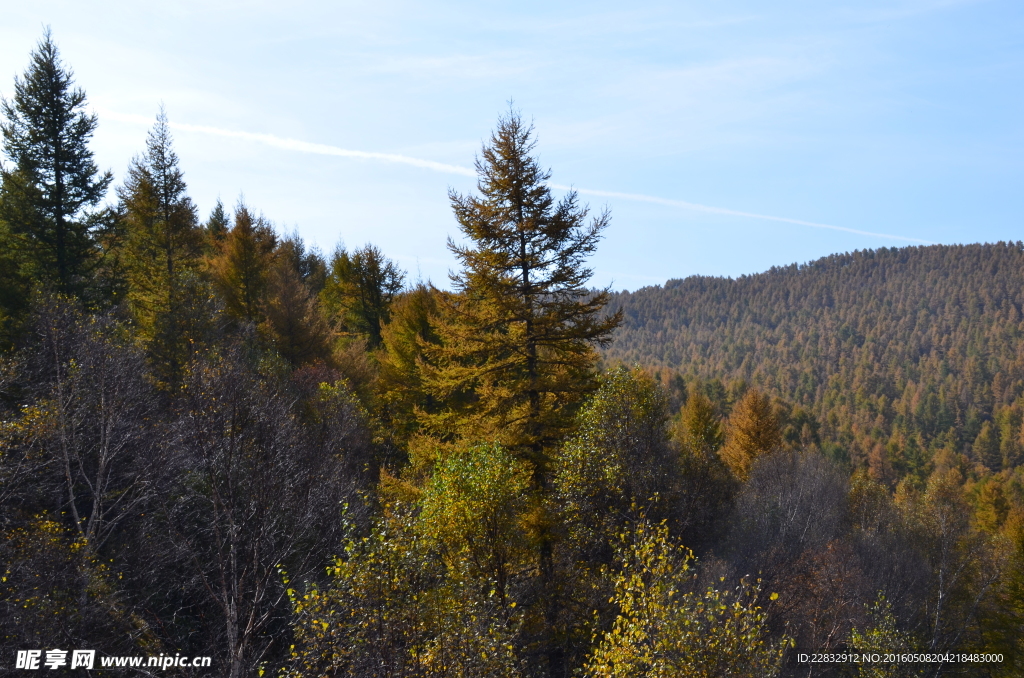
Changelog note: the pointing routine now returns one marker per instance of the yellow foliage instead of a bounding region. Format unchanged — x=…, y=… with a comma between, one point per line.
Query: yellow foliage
x=667, y=630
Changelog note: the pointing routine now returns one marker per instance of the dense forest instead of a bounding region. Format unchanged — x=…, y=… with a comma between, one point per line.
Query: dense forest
x=903, y=358
x=218, y=441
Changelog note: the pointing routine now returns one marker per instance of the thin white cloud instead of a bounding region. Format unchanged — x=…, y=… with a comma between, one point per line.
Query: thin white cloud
x=324, y=149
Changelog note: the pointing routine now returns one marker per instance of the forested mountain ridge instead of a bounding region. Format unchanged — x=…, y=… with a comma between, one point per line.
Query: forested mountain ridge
x=896, y=352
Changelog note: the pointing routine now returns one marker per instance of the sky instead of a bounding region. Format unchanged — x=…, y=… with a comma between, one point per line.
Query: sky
x=724, y=137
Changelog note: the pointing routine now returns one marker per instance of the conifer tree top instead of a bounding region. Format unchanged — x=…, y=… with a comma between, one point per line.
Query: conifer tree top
x=516, y=227
x=46, y=131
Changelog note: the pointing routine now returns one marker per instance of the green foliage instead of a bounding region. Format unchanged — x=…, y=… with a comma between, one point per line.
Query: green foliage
x=393, y=607
x=986, y=447
x=475, y=507
x=618, y=460
x=510, y=533
x=53, y=178
x=217, y=225
x=359, y=290
x=666, y=628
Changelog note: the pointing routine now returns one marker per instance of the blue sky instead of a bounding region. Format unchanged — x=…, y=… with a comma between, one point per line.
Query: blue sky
x=901, y=118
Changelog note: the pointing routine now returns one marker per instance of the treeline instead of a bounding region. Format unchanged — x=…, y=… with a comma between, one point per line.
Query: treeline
x=217, y=441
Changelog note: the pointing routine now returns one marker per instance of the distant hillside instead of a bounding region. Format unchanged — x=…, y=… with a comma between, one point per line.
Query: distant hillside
x=897, y=352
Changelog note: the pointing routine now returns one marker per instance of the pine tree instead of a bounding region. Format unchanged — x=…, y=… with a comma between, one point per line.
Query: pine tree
x=53, y=180
x=359, y=290
x=986, y=447
x=217, y=225
x=293, y=318
x=518, y=333
x=163, y=248
x=242, y=270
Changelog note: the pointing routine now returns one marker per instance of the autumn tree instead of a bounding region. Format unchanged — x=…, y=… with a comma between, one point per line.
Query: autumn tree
x=401, y=392
x=699, y=427
x=52, y=180
x=753, y=432
x=668, y=628
x=963, y=563
x=74, y=475
x=241, y=271
x=84, y=430
x=163, y=246
x=519, y=329
x=293, y=317
x=706, y=486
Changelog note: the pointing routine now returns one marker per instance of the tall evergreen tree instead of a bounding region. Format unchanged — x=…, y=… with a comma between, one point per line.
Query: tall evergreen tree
x=518, y=333
x=52, y=179
x=164, y=246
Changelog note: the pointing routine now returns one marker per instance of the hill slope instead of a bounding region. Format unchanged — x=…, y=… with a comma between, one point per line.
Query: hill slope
x=898, y=353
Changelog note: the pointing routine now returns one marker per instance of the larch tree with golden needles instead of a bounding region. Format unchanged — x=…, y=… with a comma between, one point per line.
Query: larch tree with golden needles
x=162, y=255
x=241, y=271
x=753, y=432
x=517, y=334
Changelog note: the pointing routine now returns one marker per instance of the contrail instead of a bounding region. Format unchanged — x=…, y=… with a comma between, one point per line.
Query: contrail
x=325, y=149
x=722, y=210
x=300, y=146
